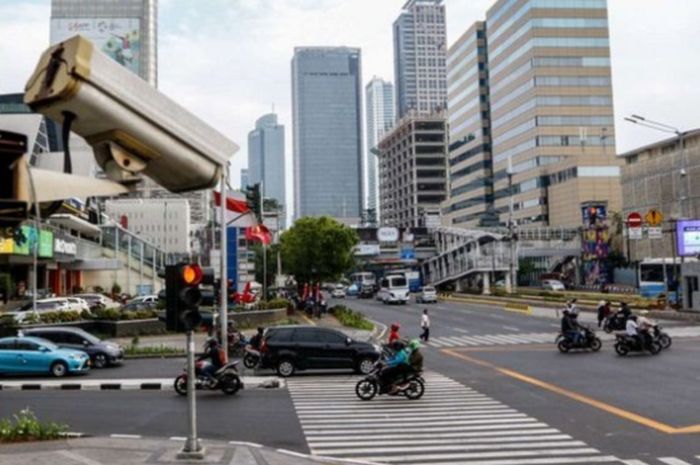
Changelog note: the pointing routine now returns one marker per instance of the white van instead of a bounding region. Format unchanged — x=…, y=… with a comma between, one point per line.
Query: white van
x=394, y=290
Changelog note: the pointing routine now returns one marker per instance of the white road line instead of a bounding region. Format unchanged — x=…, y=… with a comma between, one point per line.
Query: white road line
x=125, y=436
x=436, y=436
x=460, y=330
x=540, y=461
x=633, y=462
x=511, y=328
x=447, y=448
x=410, y=442
x=444, y=343
x=673, y=461
x=482, y=455
x=433, y=343
x=178, y=438
x=422, y=429
x=424, y=420
x=75, y=457
x=468, y=340
x=381, y=414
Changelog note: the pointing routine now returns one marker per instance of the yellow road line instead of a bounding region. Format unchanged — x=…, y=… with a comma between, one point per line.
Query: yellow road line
x=508, y=307
x=307, y=319
x=625, y=414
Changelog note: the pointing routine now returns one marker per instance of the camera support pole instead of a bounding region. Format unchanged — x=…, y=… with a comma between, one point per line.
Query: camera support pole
x=192, y=450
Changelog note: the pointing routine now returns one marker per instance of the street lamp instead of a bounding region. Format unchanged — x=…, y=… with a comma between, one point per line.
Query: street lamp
x=683, y=188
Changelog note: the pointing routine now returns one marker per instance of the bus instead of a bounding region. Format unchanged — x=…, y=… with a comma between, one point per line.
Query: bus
x=364, y=278
x=652, y=272
x=394, y=289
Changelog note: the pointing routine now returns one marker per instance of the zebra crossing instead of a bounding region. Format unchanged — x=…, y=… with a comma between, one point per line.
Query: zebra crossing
x=663, y=460
x=464, y=340
x=450, y=424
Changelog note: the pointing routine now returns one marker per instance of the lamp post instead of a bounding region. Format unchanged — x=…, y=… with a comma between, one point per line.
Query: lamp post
x=683, y=188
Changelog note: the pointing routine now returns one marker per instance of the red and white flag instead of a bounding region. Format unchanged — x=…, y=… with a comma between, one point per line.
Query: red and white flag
x=259, y=233
x=238, y=214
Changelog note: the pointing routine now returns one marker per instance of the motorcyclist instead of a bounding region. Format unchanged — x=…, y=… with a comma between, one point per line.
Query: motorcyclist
x=570, y=327
x=395, y=366
x=212, y=352
x=632, y=330
x=256, y=341
x=394, y=333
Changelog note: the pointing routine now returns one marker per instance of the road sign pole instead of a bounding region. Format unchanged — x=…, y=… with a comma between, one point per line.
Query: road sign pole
x=192, y=450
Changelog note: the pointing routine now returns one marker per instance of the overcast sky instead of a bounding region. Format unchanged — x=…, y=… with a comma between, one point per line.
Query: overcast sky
x=228, y=61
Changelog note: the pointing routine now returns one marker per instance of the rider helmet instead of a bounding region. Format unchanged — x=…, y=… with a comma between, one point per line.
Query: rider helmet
x=414, y=344
x=395, y=327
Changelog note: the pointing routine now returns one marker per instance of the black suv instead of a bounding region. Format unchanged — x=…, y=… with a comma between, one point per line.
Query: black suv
x=101, y=353
x=291, y=348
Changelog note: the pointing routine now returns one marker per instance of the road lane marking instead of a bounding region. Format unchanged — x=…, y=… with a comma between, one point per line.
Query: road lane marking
x=633, y=462
x=79, y=458
x=460, y=330
x=625, y=414
x=673, y=461
x=511, y=328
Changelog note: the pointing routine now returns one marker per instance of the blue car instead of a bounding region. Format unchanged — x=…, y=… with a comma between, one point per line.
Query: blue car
x=32, y=355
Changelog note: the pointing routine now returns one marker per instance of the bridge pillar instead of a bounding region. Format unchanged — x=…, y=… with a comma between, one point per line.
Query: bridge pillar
x=486, y=281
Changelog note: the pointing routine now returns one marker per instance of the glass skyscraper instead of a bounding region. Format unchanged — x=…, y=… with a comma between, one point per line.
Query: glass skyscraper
x=266, y=157
x=379, y=104
x=327, y=122
x=420, y=48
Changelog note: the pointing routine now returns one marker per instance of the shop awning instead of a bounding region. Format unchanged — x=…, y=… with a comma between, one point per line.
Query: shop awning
x=76, y=224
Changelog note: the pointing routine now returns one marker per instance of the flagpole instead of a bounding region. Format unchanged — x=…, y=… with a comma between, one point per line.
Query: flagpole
x=223, y=301
x=262, y=220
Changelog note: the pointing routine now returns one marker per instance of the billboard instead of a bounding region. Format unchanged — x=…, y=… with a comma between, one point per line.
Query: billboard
x=688, y=237
x=118, y=38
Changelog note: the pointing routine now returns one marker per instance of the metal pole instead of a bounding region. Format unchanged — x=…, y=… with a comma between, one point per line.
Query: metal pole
x=141, y=270
x=153, y=276
x=513, y=277
x=128, y=264
x=116, y=254
x=262, y=215
x=192, y=449
x=223, y=300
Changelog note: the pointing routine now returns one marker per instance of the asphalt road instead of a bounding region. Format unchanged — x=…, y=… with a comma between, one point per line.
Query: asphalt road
x=634, y=407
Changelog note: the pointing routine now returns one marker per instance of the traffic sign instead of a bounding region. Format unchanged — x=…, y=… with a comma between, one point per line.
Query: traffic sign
x=654, y=217
x=634, y=220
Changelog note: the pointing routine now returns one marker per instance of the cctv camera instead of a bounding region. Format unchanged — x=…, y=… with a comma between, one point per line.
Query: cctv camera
x=683, y=172
x=133, y=128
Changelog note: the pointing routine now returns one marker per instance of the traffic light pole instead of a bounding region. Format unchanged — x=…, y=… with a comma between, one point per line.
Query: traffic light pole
x=223, y=299
x=192, y=449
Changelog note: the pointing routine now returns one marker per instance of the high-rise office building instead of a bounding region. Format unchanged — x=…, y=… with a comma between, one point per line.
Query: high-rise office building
x=126, y=30
x=245, y=178
x=266, y=158
x=420, y=48
x=327, y=121
x=412, y=171
x=379, y=104
x=470, y=186
x=551, y=109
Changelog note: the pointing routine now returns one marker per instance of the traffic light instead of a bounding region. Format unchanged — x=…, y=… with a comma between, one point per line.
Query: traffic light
x=253, y=196
x=183, y=296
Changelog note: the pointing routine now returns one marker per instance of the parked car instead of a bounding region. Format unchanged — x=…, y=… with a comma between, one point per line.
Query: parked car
x=145, y=299
x=136, y=306
x=352, y=290
x=59, y=304
x=553, y=285
x=19, y=315
x=338, y=292
x=77, y=304
x=291, y=348
x=101, y=353
x=98, y=301
x=427, y=295
x=25, y=355
x=366, y=292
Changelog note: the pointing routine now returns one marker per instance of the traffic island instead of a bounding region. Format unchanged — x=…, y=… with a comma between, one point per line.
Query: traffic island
x=135, y=450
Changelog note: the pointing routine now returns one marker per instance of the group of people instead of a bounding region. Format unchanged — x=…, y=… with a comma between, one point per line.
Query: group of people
x=424, y=326
x=637, y=327
x=214, y=352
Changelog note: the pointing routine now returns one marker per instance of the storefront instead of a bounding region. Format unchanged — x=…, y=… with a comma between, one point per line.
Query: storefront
x=62, y=279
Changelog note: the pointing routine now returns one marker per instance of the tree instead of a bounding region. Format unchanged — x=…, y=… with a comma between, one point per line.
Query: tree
x=318, y=249
x=271, y=262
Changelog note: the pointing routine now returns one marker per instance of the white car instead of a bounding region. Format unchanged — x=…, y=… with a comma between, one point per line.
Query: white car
x=553, y=285
x=77, y=304
x=144, y=299
x=428, y=295
x=95, y=300
x=338, y=293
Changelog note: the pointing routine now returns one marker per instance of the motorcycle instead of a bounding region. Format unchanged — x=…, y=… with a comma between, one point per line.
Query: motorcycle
x=625, y=344
x=661, y=337
x=252, y=357
x=588, y=340
x=236, y=344
x=411, y=385
x=614, y=322
x=225, y=378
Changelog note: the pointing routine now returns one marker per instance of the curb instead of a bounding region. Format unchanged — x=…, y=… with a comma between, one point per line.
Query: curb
x=376, y=334
x=126, y=385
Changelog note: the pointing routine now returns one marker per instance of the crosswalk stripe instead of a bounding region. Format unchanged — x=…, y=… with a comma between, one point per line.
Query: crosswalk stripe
x=633, y=462
x=672, y=461
x=451, y=424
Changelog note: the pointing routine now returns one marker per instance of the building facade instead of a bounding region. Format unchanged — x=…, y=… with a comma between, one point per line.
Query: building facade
x=126, y=30
x=413, y=171
x=266, y=158
x=551, y=109
x=379, y=104
x=651, y=179
x=470, y=200
x=327, y=128
x=163, y=222
x=245, y=178
x=420, y=49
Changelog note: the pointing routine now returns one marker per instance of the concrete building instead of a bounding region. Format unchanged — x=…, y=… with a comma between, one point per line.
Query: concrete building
x=420, y=48
x=126, y=30
x=470, y=200
x=379, y=104
x=245, y=178
x=266, y=158
x=551, y=107
x=413, y=171
x=163, y=222
x=327, y=121
x=651, y=179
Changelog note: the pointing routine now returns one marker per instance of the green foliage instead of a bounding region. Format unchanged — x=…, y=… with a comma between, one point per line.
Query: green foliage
x=116, y=288
x=271, y=261
x=135, y=350
x=318, y=249
x=351, y=318
x=274, y=304
x=7, y=286
x=24, y=426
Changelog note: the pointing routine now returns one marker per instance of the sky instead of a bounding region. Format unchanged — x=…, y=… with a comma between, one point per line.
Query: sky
x=228, y=61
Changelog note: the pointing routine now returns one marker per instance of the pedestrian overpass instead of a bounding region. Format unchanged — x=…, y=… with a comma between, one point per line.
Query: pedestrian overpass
x=479, y=254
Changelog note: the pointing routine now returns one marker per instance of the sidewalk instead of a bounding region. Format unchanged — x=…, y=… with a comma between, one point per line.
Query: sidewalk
x=135, y=451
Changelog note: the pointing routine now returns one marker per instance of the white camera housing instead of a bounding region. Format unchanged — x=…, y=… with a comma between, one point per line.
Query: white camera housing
x=133, y=128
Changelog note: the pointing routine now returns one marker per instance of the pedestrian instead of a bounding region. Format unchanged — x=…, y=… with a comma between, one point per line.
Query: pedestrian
x=601, y=312
x=425, y=325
